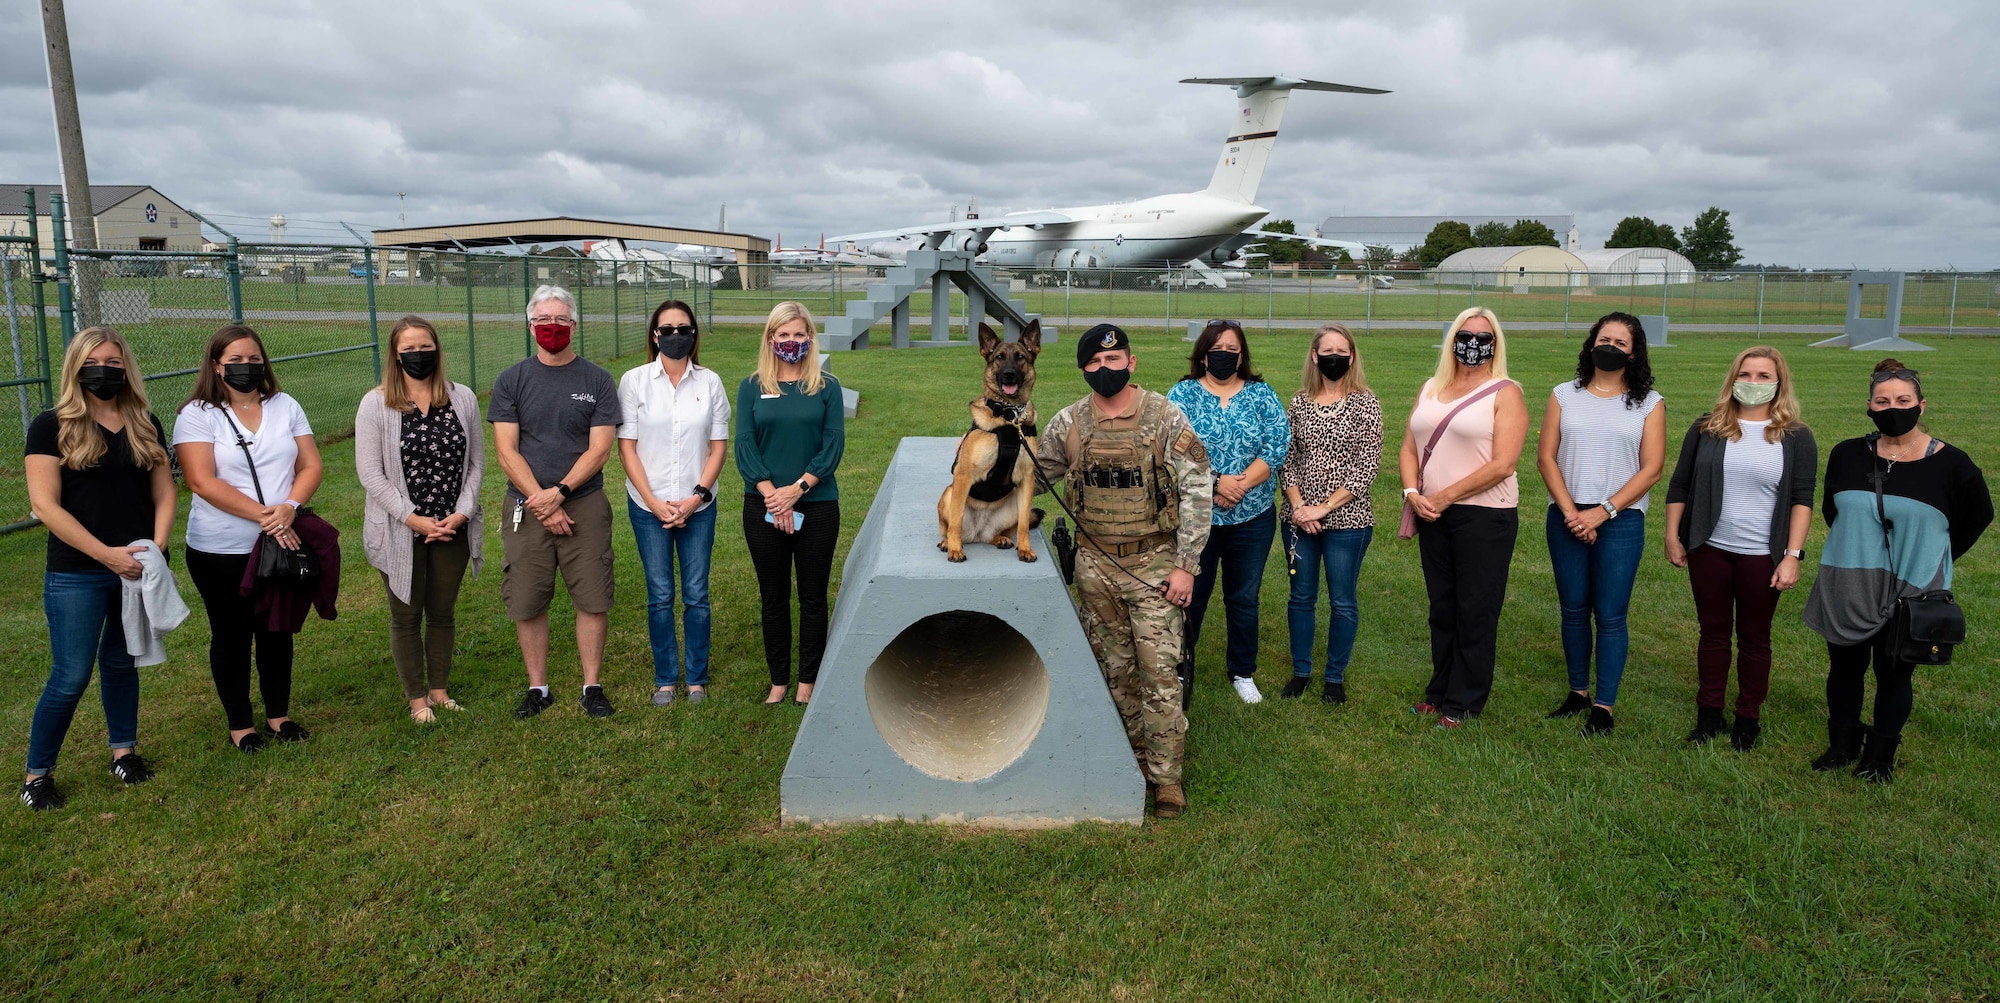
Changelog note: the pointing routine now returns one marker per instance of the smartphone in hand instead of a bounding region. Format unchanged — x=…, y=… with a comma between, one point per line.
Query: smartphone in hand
x=798, y=519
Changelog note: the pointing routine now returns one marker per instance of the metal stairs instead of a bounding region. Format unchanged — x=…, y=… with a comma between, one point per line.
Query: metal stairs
x=937, y=270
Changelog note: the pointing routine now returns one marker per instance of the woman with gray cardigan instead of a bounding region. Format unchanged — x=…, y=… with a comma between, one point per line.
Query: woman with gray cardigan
x=1738, y=508
x=420, y=452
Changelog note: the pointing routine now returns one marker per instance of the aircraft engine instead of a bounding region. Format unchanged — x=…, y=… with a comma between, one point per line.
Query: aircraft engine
x=1224, y=255
x=963, y=242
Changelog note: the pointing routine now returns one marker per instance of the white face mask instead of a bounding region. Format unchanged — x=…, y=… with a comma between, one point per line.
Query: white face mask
x=1751, y=394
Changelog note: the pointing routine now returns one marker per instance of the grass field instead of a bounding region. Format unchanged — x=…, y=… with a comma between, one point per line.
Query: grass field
x=1328, y=852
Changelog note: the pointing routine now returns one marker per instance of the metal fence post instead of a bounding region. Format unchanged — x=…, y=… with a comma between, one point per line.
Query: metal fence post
x=65, y=302
x=1170, y=299
x=1069, y=282
x=471, y=336
x=1569, y=283
x=1760, y=302
x=368, y=273
x=617, y=326
x=527, y=290
x=1951, y=317
x=1368, y=325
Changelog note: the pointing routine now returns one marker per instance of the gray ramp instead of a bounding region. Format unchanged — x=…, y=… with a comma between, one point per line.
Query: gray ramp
x=955, y=693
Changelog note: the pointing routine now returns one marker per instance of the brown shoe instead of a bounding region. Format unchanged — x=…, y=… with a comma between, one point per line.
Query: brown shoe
x=1169, y=802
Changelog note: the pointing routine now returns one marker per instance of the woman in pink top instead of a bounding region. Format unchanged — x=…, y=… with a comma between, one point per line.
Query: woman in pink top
x=1465, y=497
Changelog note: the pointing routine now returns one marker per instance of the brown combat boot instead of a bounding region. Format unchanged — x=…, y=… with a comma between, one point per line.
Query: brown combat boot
x=1169, y=802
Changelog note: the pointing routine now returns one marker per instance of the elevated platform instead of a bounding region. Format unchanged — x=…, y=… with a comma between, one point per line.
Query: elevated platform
x=955, y=693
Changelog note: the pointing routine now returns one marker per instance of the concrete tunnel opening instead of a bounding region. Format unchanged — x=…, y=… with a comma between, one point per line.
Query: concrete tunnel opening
x=958, y=695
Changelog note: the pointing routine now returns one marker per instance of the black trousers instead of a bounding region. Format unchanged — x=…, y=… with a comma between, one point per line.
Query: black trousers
x=232, y=632
x=1465, y=553
x=1847, y=677
x=776, y=556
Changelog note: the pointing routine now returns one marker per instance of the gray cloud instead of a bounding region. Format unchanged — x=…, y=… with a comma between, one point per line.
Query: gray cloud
x=1835, y=134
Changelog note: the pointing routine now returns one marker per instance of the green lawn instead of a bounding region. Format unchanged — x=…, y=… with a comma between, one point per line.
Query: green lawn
x=1328, y=853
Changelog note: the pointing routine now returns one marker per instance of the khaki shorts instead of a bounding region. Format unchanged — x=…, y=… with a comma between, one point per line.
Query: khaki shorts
x=530, y=556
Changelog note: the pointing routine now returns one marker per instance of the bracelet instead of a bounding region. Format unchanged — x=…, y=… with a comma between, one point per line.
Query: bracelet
x=1410, y=491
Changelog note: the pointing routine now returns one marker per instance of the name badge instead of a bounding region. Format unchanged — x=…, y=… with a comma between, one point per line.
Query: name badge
x=771, y=397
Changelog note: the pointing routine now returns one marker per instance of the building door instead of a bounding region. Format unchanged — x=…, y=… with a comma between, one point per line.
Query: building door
x=152, y=243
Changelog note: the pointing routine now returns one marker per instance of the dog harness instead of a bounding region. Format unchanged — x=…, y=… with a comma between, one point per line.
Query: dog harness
x=999, y=481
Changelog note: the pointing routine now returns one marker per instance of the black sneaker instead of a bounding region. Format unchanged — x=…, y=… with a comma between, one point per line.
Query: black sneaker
x=251, y=743
x=41, y=794
x=1294, y=688
x=594, y=702
x=1600, y=722
x=1573, y=704
x=290, y=731
x=1333, y=693
x=131, y=769
x=533, y=703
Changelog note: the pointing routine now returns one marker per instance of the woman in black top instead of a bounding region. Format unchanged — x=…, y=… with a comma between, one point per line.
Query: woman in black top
x=1938, y=505
x=99, y=479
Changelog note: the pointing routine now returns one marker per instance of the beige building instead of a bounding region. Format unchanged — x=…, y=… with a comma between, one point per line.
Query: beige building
x=1510, y=267
x=129, y=217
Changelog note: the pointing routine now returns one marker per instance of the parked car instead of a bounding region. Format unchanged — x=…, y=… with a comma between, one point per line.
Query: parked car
x=399, y=273
x=358, y=270
x=201, y=272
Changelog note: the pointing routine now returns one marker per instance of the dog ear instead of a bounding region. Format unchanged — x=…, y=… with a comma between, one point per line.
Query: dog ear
x=988, y=341
x=1031, y=337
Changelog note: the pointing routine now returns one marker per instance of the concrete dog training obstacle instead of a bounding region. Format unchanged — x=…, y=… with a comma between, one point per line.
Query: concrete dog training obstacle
x=955, y=693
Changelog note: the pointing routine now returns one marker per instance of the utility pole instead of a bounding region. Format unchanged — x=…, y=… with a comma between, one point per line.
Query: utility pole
x=69, y=144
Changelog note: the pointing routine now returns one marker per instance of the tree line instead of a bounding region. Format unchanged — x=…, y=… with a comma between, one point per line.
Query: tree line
x=1708, y=242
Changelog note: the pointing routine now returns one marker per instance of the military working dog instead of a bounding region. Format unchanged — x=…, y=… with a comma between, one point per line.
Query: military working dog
x=993, y=476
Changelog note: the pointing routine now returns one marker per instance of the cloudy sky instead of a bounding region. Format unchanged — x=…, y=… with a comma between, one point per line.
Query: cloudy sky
x=1835, y=133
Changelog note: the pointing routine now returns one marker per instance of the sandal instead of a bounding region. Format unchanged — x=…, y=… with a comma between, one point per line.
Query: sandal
x=423, y=715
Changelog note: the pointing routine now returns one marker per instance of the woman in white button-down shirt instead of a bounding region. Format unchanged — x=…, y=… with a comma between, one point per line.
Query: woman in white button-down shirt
x=672, y=439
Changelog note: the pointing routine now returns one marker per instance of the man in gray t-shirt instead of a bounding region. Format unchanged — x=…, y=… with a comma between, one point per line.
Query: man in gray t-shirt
x=555, y=418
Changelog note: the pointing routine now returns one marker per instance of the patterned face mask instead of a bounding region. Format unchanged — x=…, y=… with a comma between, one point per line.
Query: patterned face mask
x=791, y=351
x=1472, y=348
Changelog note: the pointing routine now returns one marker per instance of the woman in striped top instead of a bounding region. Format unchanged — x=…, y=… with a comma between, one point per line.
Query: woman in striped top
x=1604, y=441
x=1328, y=521
x=1738, y=507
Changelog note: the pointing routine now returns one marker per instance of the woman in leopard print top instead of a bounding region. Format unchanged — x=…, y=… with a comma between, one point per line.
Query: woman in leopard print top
x=1327, y=517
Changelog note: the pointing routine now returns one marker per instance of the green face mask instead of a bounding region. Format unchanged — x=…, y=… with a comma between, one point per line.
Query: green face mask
x=1751, y=394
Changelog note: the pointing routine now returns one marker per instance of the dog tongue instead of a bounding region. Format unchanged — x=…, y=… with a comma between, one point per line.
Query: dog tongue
x=1010, y=389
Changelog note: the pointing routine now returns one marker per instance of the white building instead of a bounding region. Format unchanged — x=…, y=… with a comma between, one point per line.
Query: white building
x=129, y=217
x=1637, y=266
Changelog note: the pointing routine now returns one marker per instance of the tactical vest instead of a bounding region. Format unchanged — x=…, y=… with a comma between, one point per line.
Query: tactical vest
x=1119, y=485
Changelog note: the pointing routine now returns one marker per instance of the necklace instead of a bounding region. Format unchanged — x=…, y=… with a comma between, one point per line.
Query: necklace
x=1601, y=392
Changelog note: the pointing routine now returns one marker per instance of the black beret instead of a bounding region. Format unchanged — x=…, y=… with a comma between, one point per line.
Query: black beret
x=1102, y=338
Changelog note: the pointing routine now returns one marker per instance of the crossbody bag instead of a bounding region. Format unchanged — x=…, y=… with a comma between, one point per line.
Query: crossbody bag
x=276, y=564
x=1408, y=528
x=1923, y=628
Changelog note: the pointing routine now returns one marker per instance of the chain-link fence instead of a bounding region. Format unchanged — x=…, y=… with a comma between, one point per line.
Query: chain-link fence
x=1938, y=302
x=24, y=386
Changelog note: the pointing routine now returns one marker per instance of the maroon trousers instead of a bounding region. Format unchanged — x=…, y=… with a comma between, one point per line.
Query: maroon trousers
x=1733, y=595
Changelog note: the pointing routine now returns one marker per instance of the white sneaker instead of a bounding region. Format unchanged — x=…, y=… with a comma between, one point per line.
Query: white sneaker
x=1247, y=689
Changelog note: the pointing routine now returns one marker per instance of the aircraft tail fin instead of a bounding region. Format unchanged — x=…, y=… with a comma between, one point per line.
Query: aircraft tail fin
x=1260, y=108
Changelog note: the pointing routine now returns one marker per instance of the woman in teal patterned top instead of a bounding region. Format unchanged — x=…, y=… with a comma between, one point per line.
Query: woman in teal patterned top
x=1243, y=426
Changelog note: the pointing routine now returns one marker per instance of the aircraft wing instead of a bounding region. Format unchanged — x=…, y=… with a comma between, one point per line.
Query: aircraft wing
x=1284, y=83
x=1315, y=241
x=1038, y=218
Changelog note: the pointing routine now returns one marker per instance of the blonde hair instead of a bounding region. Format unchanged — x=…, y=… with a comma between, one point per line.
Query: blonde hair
x=1448, y=363
x=78, y=436
x=767, y=360
x=1721, y=419
x=395, y=382
x=1311, y=383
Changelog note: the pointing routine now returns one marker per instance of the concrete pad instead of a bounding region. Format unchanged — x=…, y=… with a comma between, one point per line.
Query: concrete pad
x=955, y=693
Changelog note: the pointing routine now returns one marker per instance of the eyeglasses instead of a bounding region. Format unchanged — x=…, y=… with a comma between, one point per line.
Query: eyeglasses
x=1230, y=324
x=668, y=329
x=557, y=321
x=1471, y=337
x=1893, y=374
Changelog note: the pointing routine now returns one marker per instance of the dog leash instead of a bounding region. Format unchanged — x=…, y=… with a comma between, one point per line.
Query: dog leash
x=1042, y=484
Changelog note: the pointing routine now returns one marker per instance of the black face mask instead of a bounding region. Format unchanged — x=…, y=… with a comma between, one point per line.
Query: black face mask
x=675, y=346
x=1609, y=358
x=243, y=377
x=1896, y=421
x=1222, y=365
x=1471, y=352
x=1333, y=367
x=1106, y=382
x=101, y=382
x=418, y=365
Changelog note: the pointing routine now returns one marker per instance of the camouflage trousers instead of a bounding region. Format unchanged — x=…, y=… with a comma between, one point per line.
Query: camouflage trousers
x=1136, y=635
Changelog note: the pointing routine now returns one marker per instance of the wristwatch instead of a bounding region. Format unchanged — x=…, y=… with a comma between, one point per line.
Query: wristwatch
x=564, y=488
x=801, y=484
x=1800, y=554
x=1610, y=510
x=705, y=494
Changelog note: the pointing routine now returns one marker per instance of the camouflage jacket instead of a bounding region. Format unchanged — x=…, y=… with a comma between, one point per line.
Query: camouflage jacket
x=1186, y=465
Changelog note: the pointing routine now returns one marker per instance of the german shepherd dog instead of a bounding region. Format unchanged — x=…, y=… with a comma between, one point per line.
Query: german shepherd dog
x=993, y=476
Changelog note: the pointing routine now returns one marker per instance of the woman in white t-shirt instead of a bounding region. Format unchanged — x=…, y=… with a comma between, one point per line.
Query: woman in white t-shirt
x=1604, y=442
x=672, y=439
x=236, y=403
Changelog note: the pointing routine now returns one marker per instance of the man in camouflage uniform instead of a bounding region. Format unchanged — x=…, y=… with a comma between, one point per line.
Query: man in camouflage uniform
x=1141, y=490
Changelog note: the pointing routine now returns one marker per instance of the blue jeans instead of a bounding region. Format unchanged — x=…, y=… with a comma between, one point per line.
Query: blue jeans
x=694, y=541
x=1594, y=581
x=83, y=609
x=1237, y=554
x=1336, y=553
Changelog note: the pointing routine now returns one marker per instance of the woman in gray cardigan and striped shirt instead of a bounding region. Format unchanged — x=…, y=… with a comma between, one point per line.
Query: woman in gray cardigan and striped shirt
x=1738, y=508
x=421, y=453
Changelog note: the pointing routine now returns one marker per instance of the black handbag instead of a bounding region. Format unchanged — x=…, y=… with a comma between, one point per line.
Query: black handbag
x=277, y=564
x=1923, y=628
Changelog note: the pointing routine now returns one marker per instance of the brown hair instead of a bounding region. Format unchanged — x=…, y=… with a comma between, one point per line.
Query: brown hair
x=395, y=383
x=208, y=386
x=1212, y=333
x=79, y=438
x=1311, y=381
x=1720, y=421
x=652, y=343
x=1892, y=365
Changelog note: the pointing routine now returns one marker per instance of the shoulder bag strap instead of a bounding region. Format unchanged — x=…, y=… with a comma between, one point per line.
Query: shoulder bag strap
x=1438, y=433
x=1876, y=477
x=252, y=460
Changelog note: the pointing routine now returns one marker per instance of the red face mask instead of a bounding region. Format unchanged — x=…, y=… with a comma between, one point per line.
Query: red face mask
x=552, y=337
